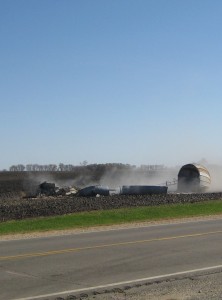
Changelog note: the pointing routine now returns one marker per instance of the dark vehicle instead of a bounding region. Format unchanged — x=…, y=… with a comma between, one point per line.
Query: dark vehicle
x=48, y=189
x=142, y=190
x=92, y=191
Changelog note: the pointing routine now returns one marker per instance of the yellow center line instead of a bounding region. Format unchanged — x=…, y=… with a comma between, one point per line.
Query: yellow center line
x=53, y=252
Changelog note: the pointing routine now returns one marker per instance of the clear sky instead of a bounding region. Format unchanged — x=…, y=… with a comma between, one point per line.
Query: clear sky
x=128, y=81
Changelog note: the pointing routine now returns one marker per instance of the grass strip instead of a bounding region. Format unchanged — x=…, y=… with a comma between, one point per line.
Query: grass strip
x=111, y=217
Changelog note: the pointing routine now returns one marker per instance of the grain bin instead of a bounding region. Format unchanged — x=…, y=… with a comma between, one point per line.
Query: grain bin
x=193, y=178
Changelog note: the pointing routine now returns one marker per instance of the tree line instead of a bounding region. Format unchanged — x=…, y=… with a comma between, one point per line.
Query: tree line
x=72, y=168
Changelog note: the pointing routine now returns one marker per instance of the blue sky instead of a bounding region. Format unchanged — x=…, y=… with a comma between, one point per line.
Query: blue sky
x=129, y=81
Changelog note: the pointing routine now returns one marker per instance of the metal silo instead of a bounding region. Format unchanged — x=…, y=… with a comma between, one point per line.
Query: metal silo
x=193, y=178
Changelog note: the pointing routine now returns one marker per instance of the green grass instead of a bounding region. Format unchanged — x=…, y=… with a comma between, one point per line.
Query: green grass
x=109, y=217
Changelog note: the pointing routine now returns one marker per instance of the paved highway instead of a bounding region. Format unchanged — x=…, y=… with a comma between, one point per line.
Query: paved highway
x=41, y=268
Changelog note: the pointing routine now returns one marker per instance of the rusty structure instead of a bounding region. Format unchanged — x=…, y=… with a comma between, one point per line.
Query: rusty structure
x=193, y=178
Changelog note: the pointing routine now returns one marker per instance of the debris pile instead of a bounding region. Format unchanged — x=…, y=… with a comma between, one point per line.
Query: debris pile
x=48, y=189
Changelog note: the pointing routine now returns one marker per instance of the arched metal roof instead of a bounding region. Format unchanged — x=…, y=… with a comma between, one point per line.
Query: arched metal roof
x=194, y=178
x=202, y=171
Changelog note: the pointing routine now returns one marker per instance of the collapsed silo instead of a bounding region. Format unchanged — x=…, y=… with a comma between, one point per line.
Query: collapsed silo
x=193, y=178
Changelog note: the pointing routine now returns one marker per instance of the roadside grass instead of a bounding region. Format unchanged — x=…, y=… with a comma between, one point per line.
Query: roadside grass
x=112, y=217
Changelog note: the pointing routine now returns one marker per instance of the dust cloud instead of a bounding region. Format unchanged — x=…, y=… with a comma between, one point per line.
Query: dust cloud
x=162, y=177
x=216, y=177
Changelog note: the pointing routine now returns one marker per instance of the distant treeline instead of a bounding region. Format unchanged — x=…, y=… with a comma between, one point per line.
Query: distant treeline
x=72, y=168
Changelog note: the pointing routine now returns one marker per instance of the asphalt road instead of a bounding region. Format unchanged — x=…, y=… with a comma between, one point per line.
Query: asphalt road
x=42, y=268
